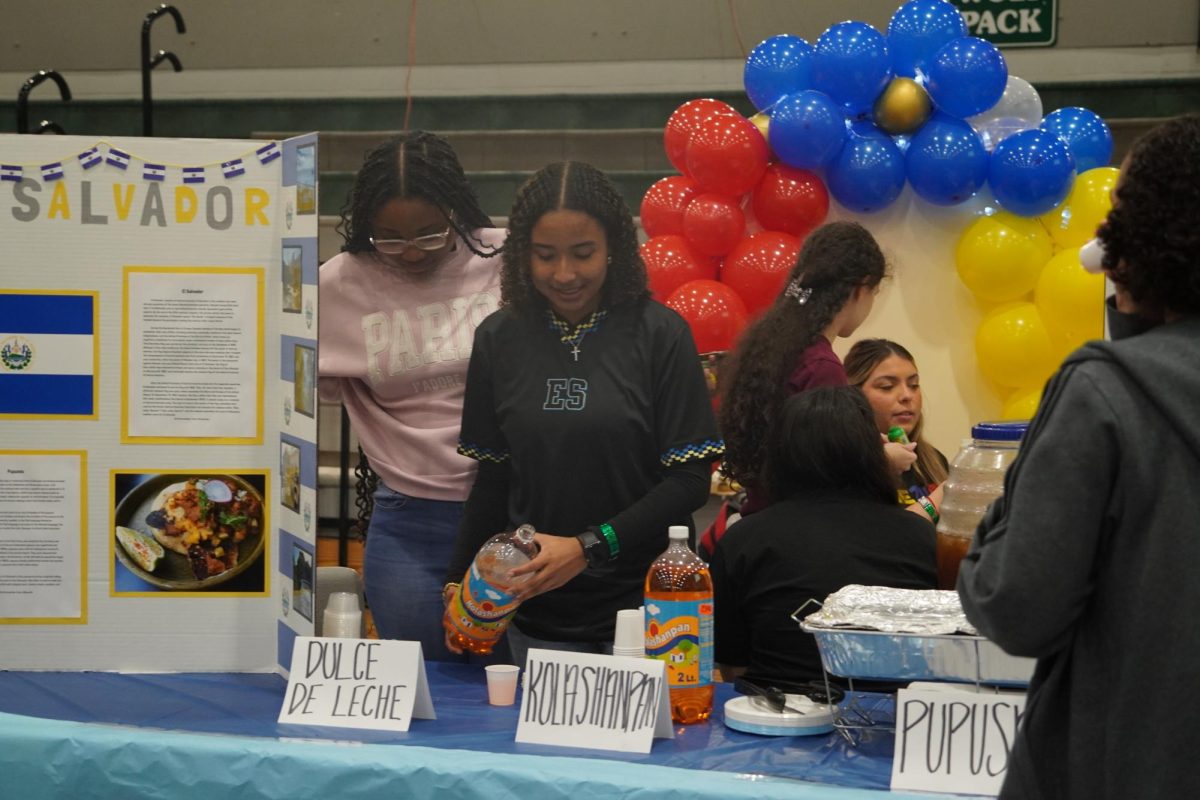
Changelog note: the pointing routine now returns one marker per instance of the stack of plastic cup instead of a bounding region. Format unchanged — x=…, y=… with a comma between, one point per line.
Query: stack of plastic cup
x=342, y=618
x=630, y=636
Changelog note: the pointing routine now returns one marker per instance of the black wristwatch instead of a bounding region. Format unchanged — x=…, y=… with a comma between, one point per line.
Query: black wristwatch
x=595, y=549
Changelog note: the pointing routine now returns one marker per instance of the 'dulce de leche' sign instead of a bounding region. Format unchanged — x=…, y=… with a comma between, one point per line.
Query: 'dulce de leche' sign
x=377, y=684
x=594, y=701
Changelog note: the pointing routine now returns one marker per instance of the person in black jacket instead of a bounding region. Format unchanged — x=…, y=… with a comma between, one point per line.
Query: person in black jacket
x=837, y=524
x=1088, y=561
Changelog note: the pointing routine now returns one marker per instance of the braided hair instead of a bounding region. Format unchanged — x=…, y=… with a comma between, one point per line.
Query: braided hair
x=1152, y=236
x=861, y=361
x=836, y=259
x=418, y=165
x=571, y=186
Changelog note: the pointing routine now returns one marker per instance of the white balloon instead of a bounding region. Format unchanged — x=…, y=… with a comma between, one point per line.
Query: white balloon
x=1091, y=256
x=1018, y=109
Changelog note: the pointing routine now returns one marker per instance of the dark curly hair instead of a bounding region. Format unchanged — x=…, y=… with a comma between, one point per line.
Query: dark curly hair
x=835, y=260
x=863, y=358
x=420, y=165
x=1152, y=236
x=572, y=186
x=825, y=438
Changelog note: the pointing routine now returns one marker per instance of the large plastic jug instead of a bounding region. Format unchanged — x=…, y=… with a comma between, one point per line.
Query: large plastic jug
x=976, y=479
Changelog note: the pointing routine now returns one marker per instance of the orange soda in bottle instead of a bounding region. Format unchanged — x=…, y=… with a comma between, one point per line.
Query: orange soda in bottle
x=479, y=613
x=679, y=626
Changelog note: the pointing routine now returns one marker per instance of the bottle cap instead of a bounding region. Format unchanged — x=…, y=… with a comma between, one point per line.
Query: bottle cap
x=1000, y=431
x=677, y=532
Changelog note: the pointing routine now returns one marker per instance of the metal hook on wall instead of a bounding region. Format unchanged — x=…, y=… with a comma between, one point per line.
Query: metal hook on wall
x=149, y=63
x=23, y=98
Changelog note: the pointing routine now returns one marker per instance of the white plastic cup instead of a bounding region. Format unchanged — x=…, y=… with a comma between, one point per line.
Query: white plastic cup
x=631, y=652
x=630, y=633
x=342, y=618
x=502, y=683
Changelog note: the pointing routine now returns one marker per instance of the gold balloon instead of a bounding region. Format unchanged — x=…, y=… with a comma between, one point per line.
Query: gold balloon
x=902, y=107
x=762, y=121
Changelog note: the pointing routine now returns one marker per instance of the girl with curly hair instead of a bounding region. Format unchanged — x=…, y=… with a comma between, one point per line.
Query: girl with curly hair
x=829, y=293
x=587, y=410
x=1087, y=562
x=399, y=305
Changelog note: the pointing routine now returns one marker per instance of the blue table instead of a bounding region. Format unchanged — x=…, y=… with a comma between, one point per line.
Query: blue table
x=214, y=735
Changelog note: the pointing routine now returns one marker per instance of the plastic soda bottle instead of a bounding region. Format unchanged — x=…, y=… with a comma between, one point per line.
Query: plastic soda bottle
x=679, y=626
x=480, y=610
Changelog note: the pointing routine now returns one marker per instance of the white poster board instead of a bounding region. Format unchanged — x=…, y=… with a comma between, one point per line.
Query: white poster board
x=181, y=274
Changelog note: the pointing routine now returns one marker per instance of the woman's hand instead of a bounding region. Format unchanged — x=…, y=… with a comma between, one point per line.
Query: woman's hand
x=900, y=456
x=561, y=558
x=448, y=592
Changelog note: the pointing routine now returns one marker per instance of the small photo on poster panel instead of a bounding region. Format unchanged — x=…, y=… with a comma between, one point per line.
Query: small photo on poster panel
x=201, y=533
x=305, y=380
x=292, y=269
x=302, y=582
x=289, y=476
x=306, y=179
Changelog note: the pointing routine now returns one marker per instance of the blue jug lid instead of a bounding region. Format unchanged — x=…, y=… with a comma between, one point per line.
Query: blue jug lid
x=1000, y=431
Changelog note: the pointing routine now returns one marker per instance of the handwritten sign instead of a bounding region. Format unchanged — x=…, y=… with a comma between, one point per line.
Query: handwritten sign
x=954, y=739
x=594, y=701
x=356, y=683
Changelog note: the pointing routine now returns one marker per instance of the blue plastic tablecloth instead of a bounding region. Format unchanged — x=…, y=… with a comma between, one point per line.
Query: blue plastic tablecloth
x=57, y=738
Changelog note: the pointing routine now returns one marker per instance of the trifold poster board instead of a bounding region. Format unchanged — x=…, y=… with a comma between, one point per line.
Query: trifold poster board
x=158, y=335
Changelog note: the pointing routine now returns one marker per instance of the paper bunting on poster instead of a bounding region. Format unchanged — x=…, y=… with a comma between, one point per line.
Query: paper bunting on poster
x=90, y=157
x=104, y=153
x=268, y=153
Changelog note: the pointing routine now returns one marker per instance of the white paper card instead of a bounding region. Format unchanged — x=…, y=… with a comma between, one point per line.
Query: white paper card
x=378, y=684
x=594, y=701
x=954, y=740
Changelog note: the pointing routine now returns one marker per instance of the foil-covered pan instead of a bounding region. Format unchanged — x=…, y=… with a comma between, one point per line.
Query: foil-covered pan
x=879, y=633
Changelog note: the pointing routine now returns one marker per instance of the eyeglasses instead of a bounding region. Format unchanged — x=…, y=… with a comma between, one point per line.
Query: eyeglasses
x=395, y=247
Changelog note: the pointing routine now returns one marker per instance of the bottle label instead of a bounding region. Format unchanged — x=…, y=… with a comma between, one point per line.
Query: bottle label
x=480, y=610
x=679, y=632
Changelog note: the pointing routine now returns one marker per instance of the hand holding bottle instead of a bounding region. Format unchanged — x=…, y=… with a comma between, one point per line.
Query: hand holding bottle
x=559, y=560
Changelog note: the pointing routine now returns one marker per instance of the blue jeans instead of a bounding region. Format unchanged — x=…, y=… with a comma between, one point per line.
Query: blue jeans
x=520, y=644
x=409, y=544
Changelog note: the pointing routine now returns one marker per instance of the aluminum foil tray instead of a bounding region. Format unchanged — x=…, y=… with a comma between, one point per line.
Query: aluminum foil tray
x=877, y=633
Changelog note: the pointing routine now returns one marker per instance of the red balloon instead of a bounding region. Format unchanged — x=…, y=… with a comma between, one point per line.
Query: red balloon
x=662, y=207
x=727, y=154
x=790, y=200
x=671, y=262
x=713, y=224
x=683, y=121
x=758, y=266
x=713, y=311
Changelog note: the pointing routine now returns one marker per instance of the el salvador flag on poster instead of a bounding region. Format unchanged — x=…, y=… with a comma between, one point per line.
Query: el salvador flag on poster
x=47, y=354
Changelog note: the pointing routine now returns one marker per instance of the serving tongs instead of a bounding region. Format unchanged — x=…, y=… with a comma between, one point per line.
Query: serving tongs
x=775, y=698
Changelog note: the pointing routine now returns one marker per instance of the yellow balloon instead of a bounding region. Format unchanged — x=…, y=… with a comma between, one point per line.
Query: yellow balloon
x=999, y=257
x=902, y=107
x=762, y=121
x=1022, y=404
x=1070, y=300
x=1076, y=219
x=1014, y=346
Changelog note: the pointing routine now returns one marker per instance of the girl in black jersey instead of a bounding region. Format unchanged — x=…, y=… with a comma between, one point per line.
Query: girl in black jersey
x=587, y=410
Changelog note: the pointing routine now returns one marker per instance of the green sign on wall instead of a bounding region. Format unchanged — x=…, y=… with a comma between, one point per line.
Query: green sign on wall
x=1012, y=23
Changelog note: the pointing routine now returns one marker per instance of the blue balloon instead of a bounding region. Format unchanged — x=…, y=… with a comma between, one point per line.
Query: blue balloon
x=1031, y=172
x=918, y=29
x=777, y=66
x=868, y=174
x=851, y=65
x=946, y=161
x=967, y=77
x=1085, y=133
x=807, y=129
